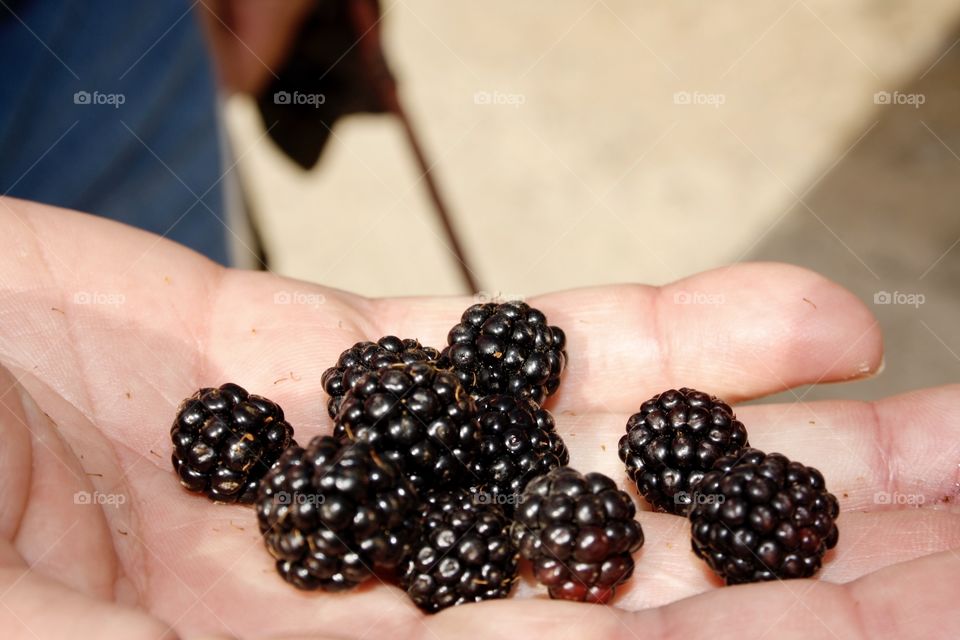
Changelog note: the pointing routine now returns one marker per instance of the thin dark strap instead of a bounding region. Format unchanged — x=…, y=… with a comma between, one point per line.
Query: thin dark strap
x=364, y=14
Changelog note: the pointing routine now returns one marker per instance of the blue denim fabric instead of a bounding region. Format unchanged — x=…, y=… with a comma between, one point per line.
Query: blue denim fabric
x=109, y=107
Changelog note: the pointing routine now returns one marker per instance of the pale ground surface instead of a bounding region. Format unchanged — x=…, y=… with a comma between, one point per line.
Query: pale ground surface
x=598, y=173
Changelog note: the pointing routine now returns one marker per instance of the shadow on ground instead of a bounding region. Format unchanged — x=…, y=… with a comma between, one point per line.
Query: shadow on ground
x=885, y=222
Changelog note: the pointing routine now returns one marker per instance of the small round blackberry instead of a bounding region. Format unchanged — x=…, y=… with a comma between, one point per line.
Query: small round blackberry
x=506, y=348
x=331, y=514
x=762, y=517
x=417, y=416
x=364, y=357
x=579, y=532
x=464, y=553
x=520, y=442
x=674, y=440
x=224, y=441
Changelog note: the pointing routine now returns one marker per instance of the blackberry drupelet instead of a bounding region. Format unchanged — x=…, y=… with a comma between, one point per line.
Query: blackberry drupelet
x=673, y=441
x=464, y=553
x=520, y=442
x=331, y=514
x=763, y=517
x=579, y=532
x=417, y=416
x=224, y=441
x=506, y=348
x=364, y=357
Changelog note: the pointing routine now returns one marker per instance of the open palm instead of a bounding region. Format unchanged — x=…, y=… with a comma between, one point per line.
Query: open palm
x=104, y=329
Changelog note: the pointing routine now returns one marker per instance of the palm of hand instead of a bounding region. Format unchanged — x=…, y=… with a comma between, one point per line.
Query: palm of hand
x=99, y=348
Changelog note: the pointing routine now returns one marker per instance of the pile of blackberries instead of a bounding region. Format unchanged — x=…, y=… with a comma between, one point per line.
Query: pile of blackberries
x=445, y=471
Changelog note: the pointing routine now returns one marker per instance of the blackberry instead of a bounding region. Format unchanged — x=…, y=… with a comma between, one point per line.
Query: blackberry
x=762, y=517
x=520, y=442
x=674, y=440
x=464, y=553
x=506, y=348
x=579, y=532
x=364, y=357
x=417, y=416
x=224, y=441
x=332, y=514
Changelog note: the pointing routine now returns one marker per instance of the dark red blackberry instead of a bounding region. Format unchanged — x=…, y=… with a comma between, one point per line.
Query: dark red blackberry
x=761, y=517
x=674, y=440
x=224, y=441
x=579, y=532
x=364, y=357
x=520, y=442
x=506, y=348
x=331, y=514
x=464, y=553
x=417, y=416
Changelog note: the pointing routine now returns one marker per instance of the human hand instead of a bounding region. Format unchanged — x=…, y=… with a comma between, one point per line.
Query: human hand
x=104, y=329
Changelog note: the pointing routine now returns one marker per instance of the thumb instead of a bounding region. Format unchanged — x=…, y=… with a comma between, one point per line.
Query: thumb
x=53, y=547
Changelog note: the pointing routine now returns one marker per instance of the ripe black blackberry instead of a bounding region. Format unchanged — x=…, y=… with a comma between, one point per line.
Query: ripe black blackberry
x=506, y=348
x=520, y=442
x=417, y=416
x=224, y=441
x=674, y=440
x=579, y=532
x=464, y=553
x=364, y=357
x=331, y=514
x=762, y=517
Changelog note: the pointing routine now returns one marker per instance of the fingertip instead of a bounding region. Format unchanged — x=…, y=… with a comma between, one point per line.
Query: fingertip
x=841, y=325
x=799, y=326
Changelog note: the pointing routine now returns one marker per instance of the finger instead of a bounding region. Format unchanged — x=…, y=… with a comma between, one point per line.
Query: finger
x=15, y=463
x=915, y=599
x=52, y=519
x=767, y=327
x=896, y=453
x=34, y=606
x=900, y=452
x=895, y=602
x=667, y=569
